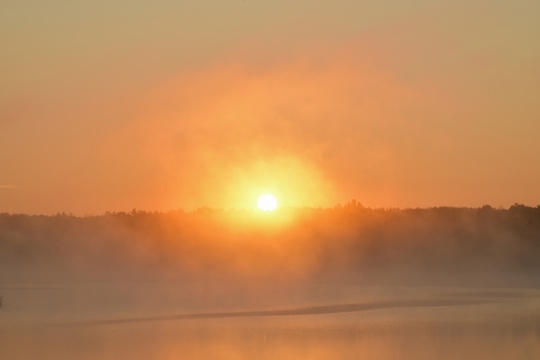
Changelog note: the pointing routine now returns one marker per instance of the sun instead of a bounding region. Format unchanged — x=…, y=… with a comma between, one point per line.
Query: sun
x=267, y=202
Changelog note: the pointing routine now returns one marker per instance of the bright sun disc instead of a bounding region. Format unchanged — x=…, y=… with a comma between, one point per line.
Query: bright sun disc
x=267, y=202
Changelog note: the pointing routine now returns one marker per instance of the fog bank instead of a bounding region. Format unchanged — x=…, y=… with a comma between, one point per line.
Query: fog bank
x=348, y=244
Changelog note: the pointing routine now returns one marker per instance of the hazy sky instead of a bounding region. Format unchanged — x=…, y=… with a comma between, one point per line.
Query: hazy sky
x=158, y=105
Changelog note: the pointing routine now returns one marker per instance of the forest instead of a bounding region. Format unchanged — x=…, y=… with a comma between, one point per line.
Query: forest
x=345, y=244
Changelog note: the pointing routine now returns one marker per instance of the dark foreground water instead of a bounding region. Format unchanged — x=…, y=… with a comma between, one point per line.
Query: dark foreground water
x=179, y=321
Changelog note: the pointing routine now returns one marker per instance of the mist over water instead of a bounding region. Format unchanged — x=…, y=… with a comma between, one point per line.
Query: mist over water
x=159, y=105
x=345, y=283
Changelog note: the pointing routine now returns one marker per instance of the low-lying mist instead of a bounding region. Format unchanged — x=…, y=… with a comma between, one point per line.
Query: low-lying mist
x=347, y=244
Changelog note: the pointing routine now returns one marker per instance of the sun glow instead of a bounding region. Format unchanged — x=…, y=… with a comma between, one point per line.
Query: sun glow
x=267, y=202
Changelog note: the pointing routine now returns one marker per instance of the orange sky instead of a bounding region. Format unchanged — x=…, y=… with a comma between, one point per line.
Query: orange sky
x=163, y=106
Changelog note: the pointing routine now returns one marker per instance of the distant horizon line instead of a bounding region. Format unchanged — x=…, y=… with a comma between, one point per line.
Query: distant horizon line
x=350, y=204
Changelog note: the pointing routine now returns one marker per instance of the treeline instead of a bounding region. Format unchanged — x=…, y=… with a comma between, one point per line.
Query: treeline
x=350, y=244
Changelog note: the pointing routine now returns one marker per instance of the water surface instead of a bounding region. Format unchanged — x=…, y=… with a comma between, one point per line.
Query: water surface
x=224, y=321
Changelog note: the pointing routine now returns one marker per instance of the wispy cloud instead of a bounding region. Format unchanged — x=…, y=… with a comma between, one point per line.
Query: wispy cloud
x=7, y=186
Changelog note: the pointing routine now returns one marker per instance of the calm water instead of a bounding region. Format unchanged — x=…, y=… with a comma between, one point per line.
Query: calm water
x=179, y=321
